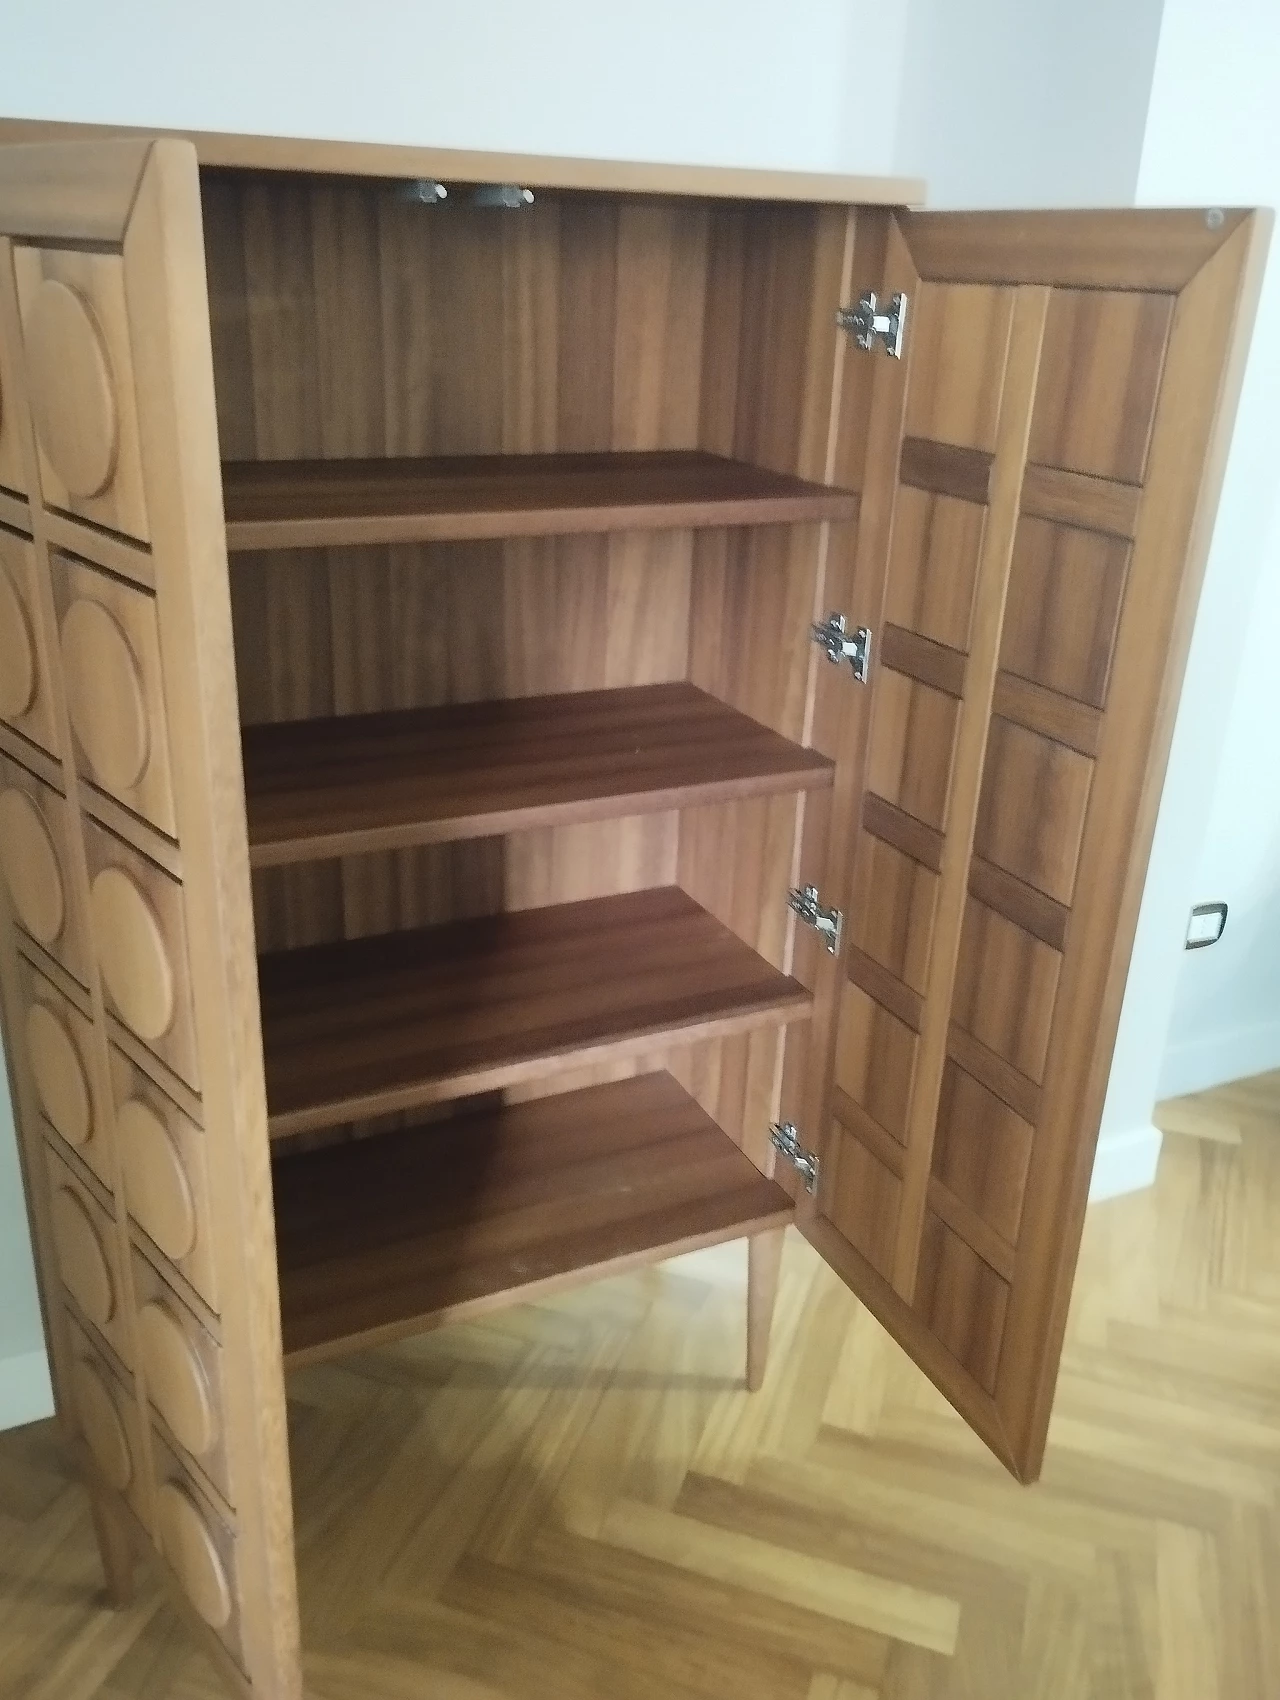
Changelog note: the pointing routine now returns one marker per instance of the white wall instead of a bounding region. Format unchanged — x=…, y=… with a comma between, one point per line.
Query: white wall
x=1224, y=785
x=24, y=1378
x=1007, y=103
x=733, y=82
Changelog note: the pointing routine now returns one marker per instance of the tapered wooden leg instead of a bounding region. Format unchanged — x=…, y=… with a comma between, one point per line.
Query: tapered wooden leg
x=115, y=1548
x=764, y=1261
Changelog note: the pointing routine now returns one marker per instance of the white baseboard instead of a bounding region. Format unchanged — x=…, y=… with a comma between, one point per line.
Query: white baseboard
x=25, y=1393
x=1126, y=1162
x=1219, y=1057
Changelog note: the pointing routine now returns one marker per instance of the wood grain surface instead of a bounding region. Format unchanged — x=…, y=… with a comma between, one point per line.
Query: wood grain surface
x=331, y=787
x=328, y=158
x=441, y=1222
x=326, y=503
x=578, y=1497
x=384, y=1023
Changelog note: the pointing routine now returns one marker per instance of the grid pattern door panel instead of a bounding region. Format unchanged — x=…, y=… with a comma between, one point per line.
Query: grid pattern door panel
x=1063, y=416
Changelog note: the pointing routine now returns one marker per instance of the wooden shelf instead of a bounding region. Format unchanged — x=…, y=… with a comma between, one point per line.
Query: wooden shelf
x=318, y=788
x=382, y=1024
x=387, y=1236
x=310, y=504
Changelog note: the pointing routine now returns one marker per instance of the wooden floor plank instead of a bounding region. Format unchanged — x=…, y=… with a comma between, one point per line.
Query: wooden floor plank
x=576, y=1500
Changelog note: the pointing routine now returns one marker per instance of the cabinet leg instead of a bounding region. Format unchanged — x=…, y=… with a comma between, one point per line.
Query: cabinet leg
x=115, y=1548
x=764, y=1261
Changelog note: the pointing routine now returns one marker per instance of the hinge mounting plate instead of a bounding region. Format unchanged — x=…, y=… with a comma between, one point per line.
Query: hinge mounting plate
x=840, y=644
x=827, y=923
x=784, y=1138
x=867, y=325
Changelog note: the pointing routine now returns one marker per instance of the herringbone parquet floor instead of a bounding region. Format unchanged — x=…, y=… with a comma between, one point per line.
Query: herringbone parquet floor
x=575, y=1500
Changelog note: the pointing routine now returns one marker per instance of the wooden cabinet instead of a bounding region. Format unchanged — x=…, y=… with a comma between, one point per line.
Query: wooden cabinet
x=416, y=756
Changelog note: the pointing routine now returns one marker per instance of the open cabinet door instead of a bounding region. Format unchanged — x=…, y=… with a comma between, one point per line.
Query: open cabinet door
x=1041, y=467
x=126, y=932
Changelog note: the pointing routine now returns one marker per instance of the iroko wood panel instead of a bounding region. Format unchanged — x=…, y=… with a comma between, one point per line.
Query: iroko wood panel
x=325, y=157
x=320, y=503
x=578, y=325
x=401, y=1019
x=152, y=960
x=329, y=787
x=441, y=1222
x=1070, y=410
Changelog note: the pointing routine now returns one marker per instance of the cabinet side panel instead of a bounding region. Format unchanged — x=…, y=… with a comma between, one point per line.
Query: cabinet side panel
x=130, y=983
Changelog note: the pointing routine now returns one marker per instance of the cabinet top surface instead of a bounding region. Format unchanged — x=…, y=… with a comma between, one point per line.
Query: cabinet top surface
x=452, y=165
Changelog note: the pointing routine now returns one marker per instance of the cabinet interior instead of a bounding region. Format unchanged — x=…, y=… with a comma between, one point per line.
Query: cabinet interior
x=569, y=863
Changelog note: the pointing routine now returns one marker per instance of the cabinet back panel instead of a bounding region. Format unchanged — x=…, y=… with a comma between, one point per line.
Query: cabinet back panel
x=350, y=322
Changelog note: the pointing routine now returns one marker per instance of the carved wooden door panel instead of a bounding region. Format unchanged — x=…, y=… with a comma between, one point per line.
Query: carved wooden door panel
x=126, y=940
x=1039, y=482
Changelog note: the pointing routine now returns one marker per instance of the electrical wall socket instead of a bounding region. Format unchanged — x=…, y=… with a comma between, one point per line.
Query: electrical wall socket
x=1207, y=924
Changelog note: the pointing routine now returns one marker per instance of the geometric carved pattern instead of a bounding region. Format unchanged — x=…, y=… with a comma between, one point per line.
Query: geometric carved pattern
x=31, y=867
x=891, y=910
x=1020, y=535
x=1099, y=374
x=58, y=1069
x=1005, y=986
x=115, y=688
x=912, y=744
x=139, y=933
x=960, y=337
x=156, y=1184
x=82, y=1240
x=163, y=1171
x=863, y=1200
x=132, y=953
x=80, y=379
x=1032, y=809
x=99, y=1412
x=188, y=1544
x=875, y=1060
x=933, y=566
x=982, y=1151
x=1063, y=608
x=27, y=695
x=961, y=1300
x=176, y=1380
x=18, y=665
x=73, y=392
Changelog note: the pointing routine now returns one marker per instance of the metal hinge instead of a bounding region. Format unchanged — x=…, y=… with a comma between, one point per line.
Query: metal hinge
x=826, y=922
x=841, y=644
x=784, y=1138
x=865, y=323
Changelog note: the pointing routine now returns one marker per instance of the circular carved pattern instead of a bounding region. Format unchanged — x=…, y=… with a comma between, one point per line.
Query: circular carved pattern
x=132, y=953
x=176, y=1378
x=101, y=1424
x=155, y=1179
x=73, y=396
x=17, y=651
x=59, y=1074
x=104, y=694
x=30, y=864
x=81, y=1257
x=187, y=1543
